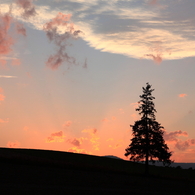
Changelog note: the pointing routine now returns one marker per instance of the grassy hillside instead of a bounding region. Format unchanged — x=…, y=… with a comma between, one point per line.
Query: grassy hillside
x=88, y=162
x=45, y=170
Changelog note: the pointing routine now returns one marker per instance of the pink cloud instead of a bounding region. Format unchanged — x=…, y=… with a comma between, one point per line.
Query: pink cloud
x=16, y=62
x=28, y=75
x=113, y=118
x=26, y=128
x=20, y=29
x=121, y=111
x=156, y=4
x=182, y=95
x=4, y=121
x=1, y=90
x=179, y=144
x=105, y=120
x=56, y=137
x=2, y=97
x=60, y=40
x=172, y=136
x=28, y=8
x=134, y=116
x=3, y=62
x=67, y=124
x=157, y=58
x=153, y=2
x=135, y=105
x=85, y=65
x=15, y=144
x=184, y=145
x=76, y=141
x=5, y=39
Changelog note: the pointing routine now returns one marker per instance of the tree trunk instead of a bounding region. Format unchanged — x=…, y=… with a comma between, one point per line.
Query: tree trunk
x=147, y=148
x=146, y=163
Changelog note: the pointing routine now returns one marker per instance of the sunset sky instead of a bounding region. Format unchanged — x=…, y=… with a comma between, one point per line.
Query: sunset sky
x=71, y=72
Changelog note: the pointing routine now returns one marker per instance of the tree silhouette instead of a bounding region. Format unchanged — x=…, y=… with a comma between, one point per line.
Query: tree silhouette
x=147, y=142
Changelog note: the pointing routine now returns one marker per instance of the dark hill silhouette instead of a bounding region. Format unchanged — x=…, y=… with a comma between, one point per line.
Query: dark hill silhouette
x=113, y=157
x=29, y=171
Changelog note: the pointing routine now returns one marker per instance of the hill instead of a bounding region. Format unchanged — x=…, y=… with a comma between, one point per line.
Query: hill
x=29, y=171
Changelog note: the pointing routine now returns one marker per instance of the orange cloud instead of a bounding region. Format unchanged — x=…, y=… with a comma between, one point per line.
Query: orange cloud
x=78, y=150
x=109, y=139
x=117, y=144
x=56, y=137
x=60, y=39
x=90, y=131
x=182, y=95
x=94, y=137
x=15, y=144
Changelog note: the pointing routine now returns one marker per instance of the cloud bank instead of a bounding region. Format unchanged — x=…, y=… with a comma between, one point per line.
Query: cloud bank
x=156, y=30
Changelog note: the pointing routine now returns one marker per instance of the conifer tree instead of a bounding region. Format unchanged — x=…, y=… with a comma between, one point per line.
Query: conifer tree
x=147, y=142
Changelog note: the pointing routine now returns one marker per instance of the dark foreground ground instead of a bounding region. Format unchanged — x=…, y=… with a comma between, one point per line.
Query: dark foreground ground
x=32, y=177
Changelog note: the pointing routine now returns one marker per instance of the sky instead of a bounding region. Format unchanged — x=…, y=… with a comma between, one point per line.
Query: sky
x=72, y=71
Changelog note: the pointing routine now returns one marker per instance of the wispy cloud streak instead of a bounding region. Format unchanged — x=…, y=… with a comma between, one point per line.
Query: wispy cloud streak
x=182, y=95
x=8, y=77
